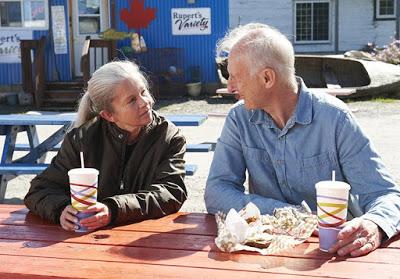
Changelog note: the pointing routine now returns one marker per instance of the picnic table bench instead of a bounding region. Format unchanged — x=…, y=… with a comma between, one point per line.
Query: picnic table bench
x=34, y=161
x=180, y=245
x=332, y=90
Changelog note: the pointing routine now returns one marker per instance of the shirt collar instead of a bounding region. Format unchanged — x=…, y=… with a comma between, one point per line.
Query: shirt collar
x=304, y=107
x=302, y=114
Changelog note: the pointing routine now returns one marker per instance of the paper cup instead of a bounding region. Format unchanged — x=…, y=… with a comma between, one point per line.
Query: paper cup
x=83, y=186
x=332, y=198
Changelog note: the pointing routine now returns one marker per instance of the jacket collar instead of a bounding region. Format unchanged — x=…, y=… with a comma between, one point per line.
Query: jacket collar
x=122, y=135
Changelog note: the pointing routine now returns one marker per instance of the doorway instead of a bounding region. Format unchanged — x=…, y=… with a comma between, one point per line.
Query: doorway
x=89, y=18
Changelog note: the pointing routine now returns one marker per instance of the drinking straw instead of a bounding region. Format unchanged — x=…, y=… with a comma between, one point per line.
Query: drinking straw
x=82, y=162
x=333, y=175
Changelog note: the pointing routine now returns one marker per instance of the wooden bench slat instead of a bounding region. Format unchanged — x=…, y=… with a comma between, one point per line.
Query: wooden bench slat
x=203, y=147
x=19, y=169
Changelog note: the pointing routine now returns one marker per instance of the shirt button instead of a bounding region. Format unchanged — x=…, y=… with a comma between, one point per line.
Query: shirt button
x=121, y=136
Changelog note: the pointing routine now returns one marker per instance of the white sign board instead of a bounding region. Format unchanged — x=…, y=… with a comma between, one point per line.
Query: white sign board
x=59, y=29
x=10, y=50
x=196, y=21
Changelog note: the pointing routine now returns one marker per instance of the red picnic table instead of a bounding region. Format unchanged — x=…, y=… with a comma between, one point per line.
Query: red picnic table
x=177, y=246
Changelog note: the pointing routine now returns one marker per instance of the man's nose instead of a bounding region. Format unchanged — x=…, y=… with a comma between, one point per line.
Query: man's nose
x=231, y=86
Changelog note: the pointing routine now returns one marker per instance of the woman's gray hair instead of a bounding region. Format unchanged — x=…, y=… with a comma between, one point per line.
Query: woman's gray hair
x=262, y=46
x=101, y=86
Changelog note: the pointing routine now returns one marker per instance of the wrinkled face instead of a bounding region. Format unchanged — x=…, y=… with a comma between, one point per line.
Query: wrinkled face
x=132, y=106
x=241, y=81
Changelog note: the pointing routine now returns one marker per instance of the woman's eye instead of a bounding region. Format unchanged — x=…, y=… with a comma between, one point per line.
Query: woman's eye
x=132, y=100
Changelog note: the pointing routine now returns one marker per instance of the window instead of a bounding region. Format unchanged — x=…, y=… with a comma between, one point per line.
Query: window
x=89, y=16
x=385, y=9
x=312, y=21
x=25, y=13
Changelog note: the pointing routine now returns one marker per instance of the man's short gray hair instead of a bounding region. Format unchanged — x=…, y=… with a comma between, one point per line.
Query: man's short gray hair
x=262, y=46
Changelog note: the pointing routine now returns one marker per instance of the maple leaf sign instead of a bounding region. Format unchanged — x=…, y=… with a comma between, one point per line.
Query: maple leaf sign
x=138, y=16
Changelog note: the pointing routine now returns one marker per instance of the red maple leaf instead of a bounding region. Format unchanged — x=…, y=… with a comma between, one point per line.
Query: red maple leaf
x=138, y=16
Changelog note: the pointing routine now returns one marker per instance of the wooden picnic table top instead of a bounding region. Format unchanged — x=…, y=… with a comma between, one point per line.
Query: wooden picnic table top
x=66, y=118
x=176, y=246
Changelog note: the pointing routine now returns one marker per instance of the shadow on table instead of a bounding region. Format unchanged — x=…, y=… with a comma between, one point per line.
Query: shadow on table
x=301, y=258
x=191, y=237
x=21, y=225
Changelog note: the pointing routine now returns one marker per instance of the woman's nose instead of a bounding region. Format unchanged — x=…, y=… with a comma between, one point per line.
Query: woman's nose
x=142, y=101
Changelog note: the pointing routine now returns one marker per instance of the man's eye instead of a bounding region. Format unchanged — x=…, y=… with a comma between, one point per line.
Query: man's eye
x=132, y=100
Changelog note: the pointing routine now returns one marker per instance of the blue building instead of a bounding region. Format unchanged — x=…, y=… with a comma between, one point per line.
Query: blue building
x=182, y=32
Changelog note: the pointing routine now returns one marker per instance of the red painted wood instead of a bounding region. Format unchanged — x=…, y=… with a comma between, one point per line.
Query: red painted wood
x=62, y=268
x=190, y=259
x=179, y=245
x=194, y=223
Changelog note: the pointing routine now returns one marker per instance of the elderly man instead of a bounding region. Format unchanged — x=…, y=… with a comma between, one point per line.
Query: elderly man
x=288, y=138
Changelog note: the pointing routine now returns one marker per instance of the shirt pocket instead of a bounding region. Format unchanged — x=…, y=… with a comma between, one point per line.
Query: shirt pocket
x=318, y=168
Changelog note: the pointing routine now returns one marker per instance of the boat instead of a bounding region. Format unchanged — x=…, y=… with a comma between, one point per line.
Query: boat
x=341, y=76
x=348, y=77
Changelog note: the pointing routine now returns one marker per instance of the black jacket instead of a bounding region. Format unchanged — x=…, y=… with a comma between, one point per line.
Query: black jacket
x=150, y=184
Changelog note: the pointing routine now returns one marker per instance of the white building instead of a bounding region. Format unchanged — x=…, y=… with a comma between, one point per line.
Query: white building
x=323, y=25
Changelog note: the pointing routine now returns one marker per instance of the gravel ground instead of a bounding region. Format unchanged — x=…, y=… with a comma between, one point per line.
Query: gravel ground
x=379, y=118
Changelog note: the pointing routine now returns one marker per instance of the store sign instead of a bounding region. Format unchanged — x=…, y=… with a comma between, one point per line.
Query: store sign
x=196, y=21
x=10, y=51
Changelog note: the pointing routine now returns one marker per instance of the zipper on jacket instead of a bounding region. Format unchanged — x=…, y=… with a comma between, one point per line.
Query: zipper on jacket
x=121, y=173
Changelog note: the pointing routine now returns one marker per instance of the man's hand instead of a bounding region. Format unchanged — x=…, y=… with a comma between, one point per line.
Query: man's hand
x=101, y=219
x=357, y=238
x=68, y=219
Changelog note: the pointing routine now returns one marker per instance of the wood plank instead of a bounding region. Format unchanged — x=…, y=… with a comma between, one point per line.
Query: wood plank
x=194, y=223
x=54, y=268
x=170, y=240
x=225, y=93
x=181, y=222
x=65, y=118
x=202, y=147
x=32, y=168
x=334, y=91
x=200, y=259
x=174, y=240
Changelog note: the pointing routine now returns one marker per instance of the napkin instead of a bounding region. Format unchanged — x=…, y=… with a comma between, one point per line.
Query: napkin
x=266, y=234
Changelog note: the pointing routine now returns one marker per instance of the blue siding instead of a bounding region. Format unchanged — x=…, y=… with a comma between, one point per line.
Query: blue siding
x=198, y=50
x=58, y=67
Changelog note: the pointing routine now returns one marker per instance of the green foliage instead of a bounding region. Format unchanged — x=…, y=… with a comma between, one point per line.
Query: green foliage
x=384, y=100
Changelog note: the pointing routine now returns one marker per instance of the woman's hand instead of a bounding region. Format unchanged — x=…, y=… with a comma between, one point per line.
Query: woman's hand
x=101, y=219
x=68, y=219
x=358, y=237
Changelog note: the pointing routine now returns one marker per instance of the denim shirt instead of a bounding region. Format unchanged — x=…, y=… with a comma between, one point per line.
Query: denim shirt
x=283, y=165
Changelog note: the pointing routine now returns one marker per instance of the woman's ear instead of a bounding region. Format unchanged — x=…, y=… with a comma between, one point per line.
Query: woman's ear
x=269, y=78
x=107, y=115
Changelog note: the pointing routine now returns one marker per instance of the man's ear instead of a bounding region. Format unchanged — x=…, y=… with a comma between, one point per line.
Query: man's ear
x=107, y=115
x=269, y=78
